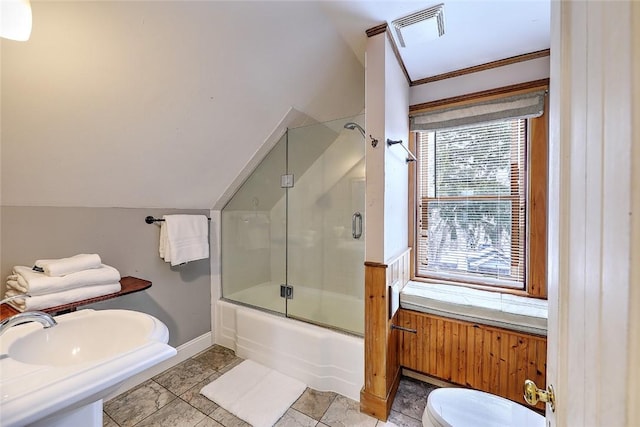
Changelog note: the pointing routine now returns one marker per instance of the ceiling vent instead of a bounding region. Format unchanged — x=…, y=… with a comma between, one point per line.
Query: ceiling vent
x=421, y=26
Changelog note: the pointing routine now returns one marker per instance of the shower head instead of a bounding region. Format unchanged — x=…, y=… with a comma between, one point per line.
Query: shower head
x=352, y=126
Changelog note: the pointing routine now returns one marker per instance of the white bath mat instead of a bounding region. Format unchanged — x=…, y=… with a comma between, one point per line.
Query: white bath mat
x=254, y=393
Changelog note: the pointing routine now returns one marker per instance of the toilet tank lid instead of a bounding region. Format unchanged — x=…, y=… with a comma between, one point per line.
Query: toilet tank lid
x=459, y=407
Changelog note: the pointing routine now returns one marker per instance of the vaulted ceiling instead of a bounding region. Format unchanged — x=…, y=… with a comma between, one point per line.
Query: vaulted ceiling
x=162, y=104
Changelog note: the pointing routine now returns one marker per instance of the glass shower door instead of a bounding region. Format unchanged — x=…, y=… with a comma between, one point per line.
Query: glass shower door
x=325, y=224
x=253, y=236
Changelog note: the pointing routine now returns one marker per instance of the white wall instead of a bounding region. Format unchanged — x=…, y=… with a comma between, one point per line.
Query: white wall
x=520, y=72
x=633, y=386
x=160, y=104
x=387, y=110
x=396, y=179
x=375, y=120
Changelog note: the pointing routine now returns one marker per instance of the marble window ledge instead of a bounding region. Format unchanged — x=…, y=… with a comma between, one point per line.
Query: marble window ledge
x=478, y=306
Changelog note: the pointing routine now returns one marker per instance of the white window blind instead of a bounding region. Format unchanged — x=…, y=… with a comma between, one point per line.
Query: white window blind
x=472, y=203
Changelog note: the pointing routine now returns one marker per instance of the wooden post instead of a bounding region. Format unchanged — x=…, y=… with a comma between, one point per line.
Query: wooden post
x=382, y=370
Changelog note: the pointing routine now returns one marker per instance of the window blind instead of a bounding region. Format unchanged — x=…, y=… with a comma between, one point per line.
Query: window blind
x=472, y=203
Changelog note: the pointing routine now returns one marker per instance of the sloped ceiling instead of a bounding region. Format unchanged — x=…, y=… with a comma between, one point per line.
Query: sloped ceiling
x=160, y=104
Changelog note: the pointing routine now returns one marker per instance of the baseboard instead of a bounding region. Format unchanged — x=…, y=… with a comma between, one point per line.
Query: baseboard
x=427, y=378
x=185, y=351
x=377, y=406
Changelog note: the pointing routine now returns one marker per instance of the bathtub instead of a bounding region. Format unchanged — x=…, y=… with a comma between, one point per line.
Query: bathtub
x=324, y=359
x=324, y=308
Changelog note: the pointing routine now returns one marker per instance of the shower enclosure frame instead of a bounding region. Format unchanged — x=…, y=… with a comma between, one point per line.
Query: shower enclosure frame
x=317, y=167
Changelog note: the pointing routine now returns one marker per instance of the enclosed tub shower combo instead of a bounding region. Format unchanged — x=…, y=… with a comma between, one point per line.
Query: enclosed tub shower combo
x=292, y=247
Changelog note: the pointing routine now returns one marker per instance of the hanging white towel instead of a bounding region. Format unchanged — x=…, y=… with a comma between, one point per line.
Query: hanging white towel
x=184, y=238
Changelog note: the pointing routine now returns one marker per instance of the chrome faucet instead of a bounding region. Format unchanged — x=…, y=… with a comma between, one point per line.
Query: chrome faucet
x=41, y=317
x=45, y=319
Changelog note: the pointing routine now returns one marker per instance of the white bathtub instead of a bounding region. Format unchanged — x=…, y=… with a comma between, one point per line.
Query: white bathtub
x=322, y=358
x=324, y=308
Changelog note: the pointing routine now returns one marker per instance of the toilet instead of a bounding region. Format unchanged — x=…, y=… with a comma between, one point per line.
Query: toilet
x=461, y=407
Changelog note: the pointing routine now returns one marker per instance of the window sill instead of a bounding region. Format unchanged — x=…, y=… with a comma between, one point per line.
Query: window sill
x=473, y=305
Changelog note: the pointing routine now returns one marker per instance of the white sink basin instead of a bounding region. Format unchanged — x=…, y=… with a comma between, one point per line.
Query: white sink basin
x=83, y=339
x=58, y=376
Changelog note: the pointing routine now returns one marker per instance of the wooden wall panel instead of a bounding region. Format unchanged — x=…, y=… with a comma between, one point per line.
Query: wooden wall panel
x=482, y=357
x=381, y=360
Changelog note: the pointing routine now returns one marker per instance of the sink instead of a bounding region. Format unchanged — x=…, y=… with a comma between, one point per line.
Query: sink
x=58, y=376
x=85, y=339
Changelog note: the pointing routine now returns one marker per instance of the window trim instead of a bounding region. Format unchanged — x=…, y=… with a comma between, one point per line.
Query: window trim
x=535, y=271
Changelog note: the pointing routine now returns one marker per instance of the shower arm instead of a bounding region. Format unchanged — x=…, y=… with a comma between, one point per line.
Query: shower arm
x=353, y=125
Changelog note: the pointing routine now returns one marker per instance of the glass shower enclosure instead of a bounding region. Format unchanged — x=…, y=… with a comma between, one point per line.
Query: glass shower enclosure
x=293, y=234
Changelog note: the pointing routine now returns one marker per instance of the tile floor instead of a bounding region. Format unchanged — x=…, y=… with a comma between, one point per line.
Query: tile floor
x=173, y=399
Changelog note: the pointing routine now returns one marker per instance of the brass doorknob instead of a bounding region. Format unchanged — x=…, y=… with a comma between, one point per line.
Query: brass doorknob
x=533, y=395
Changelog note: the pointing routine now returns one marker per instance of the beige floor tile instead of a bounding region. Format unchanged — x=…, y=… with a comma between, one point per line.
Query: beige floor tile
x=314, y=403
x=216, y=357
x=232, y=364
x=293, y=418
x=178, y=413
x=182, y=377
x=344, y=412
x=227, y=419
x=396, y=419
x=198, y=401
x=138, y=403
x=155, y=402
x=411, y=398
x=107, y=421
x=209, y=422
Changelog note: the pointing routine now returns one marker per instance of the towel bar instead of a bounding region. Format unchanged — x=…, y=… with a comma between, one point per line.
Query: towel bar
x=411, y=157
x=150, y=220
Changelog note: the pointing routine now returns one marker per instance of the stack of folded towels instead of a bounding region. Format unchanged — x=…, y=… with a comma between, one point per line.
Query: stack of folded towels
x=54, y=282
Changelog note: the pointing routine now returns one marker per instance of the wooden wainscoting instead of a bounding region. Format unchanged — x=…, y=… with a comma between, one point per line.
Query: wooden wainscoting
x=381, y=363
x=482, y=357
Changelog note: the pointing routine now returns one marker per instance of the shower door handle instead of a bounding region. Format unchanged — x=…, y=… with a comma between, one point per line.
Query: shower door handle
x=356, y=225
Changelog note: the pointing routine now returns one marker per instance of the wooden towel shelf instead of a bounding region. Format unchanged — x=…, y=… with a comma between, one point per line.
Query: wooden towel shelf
x=129, y=285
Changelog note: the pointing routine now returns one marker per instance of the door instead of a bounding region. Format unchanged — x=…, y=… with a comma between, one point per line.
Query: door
x=325, y=224
x=252, y=235
x=593, y=232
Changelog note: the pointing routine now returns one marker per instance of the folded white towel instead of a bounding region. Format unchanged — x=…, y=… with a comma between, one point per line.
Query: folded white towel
x=40, y=302
x=24, y=279
x=63, y=266
x=184, y=238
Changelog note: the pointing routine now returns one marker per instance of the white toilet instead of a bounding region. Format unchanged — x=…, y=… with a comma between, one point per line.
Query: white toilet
x=461, y=407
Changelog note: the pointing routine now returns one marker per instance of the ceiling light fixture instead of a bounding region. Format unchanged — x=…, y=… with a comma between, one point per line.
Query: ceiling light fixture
x=15, y=19
x=425, y=25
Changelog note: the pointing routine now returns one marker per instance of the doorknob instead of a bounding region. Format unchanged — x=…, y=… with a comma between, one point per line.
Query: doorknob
x=533, y=395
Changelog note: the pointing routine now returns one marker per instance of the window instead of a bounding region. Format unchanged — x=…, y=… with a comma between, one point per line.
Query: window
x=479, y=210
